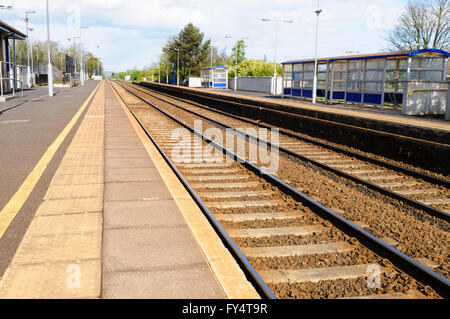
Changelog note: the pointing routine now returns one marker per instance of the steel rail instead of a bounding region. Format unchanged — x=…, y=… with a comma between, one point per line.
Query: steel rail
x=404, y=170
x=428, y=209
x=260, y=284
x=406, y=264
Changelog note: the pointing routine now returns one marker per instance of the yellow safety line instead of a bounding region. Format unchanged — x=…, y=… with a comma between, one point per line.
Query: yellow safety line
x=424, y=90
x=9, y=212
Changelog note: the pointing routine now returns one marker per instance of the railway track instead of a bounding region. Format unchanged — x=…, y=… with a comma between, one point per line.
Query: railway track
x=400, y=225
x=424, y=148
x=423, y=191
x=292, y=246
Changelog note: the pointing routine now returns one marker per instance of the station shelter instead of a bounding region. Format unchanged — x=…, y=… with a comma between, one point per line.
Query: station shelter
x=12, y=76
x=215, y=77
x=414, y=79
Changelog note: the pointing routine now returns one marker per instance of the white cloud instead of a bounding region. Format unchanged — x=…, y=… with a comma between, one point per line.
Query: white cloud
x=131, y=33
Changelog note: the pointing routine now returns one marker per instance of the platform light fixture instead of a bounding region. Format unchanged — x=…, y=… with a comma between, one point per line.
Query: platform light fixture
x=82, y=75
x=235, y=66
x=50, y=69
x=75, y=52
x=61, y=57
x=275, y=54
x=31, y=49
x=98, y=60
x=26, y=19
x=211, y=49
x=178, y=66
x=167, y=72
x=314, y=93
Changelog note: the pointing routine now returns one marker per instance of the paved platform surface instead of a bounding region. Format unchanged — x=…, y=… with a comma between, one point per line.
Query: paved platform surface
x=388, y=116
x=114, y=223
x=28, y=126
x=148, y=249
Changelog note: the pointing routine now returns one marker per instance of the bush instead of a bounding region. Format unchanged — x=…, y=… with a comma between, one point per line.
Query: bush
x=255, y=68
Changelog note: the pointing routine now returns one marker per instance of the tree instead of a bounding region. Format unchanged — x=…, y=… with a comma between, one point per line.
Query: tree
x=192, y=50
x=93, y=64
x=255, y=68
x=122, y=75
x=239, y=50
x=136, y=75
x=424, y=24
x=39, y=56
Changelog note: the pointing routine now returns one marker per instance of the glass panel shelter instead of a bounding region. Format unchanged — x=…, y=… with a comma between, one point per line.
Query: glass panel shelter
x=374, y=79
x=12, y=76
x=215, y=77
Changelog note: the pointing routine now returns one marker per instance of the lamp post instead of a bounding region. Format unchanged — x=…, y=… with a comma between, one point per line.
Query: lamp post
x=61, y=57
x=211, y=55
x=99, y=71
x=314, y=95
x=98, y=61
x=50, y=70
x=85, y=67
x=236, y=64
x=82, y=75
x=74, y=54
x=275, y=54
x=32, y=58
x=167, y=72
x=178, y=66
x=28, y=47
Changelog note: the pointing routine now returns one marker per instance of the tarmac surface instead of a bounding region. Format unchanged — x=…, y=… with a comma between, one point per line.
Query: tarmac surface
x=28, y=126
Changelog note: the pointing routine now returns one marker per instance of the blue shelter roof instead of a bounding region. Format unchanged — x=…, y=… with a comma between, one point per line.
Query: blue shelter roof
x=371, y=56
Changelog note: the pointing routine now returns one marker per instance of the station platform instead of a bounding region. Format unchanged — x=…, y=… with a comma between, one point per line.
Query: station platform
x=101, y=215
x=392, y=116
x=389, y=120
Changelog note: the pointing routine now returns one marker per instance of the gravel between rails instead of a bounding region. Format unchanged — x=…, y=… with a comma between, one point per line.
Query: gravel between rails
x=350, y=148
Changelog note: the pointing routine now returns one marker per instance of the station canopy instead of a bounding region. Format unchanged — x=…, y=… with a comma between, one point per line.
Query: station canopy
x=394, y=54
x=375, y=79
x=11, y=33
x=214, y=77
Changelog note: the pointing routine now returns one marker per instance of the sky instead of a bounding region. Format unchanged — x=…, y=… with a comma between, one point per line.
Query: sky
x=130, y=34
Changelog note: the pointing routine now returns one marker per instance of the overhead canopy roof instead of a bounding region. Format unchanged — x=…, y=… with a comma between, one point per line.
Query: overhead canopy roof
x=11, y=32
x=371, y=56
